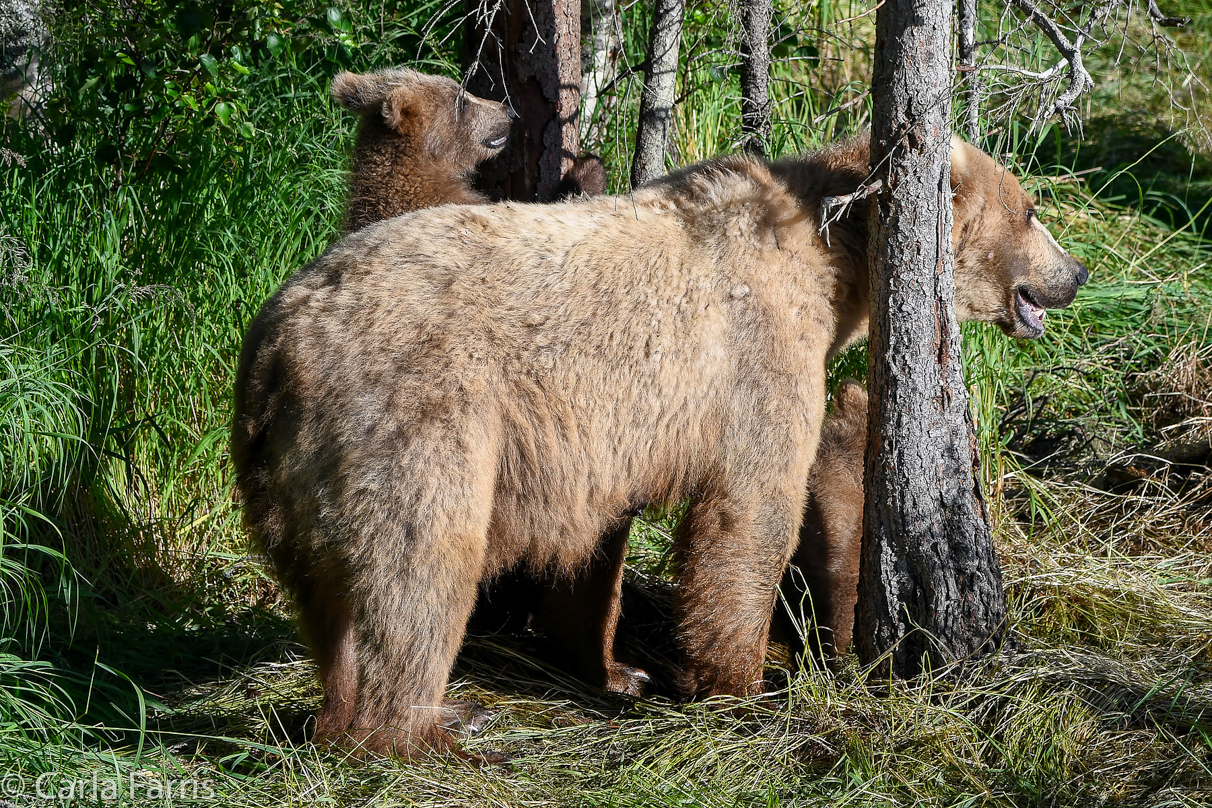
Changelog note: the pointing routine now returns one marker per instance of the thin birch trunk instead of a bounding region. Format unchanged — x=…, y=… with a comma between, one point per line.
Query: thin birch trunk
x=966, y=22
x=660, y=84
x=600, y=59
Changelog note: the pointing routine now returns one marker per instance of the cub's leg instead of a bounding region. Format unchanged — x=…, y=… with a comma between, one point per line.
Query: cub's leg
x=824, y=570
x=582, y=613
x=731, y=552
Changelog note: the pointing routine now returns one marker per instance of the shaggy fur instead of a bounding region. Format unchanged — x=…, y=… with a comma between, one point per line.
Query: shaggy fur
x=419, y=140
x=444, y=394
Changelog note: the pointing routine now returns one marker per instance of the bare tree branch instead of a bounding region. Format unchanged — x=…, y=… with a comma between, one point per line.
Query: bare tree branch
x=1161, y=19
x=1015, y=82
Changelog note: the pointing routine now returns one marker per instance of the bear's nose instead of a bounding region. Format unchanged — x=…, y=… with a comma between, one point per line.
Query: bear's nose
x=1082, y=274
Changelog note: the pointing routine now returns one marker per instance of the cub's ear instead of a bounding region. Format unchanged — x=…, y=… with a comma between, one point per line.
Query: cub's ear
x=398, y=106
x=357, y=93
x=388, y=92
x=850, y=400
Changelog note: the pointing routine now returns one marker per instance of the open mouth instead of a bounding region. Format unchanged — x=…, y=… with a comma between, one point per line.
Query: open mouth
x=497, y=142
x=1030, y=313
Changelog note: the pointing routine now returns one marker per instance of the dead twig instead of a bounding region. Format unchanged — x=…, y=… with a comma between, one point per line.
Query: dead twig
x=835, y=207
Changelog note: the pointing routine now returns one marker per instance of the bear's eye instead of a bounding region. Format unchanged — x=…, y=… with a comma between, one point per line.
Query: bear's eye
x=1029, y=215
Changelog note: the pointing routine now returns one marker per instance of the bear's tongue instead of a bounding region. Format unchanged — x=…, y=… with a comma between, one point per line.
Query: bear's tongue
x=1030, y=313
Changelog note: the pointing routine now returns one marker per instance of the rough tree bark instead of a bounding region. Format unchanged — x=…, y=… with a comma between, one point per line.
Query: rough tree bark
x=966, y=23
x=656, y=99
x=930, y=589
x=529, y=54
x=755, y=75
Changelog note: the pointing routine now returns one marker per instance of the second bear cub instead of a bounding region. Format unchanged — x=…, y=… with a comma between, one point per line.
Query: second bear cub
x=820, y=588
x=419, y=140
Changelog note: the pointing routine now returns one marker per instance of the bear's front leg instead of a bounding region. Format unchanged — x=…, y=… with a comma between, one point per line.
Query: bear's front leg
x=731, y=553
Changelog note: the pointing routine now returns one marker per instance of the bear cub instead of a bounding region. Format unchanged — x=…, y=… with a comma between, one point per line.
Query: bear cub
x=419, y=140
x=820, y=587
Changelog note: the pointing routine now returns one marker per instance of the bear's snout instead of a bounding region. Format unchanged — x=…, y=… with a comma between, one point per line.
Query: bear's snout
x=497, y=139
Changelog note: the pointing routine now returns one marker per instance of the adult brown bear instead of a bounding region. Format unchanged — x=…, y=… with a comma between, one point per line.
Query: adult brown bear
x=445, y=393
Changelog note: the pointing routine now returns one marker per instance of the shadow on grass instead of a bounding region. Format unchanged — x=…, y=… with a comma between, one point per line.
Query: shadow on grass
x=1136, y=162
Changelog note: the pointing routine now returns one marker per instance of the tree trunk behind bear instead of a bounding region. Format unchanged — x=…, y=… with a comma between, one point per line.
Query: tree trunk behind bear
x=656, y=99
x=529, y=57
x=966, y=25
x=755, y=75
x=599, y=59
x=930, y=590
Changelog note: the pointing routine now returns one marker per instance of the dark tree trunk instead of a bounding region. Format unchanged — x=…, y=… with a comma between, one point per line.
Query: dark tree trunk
x=656, y=100
x=930, y=590
x=755, y=75
x=530, y=56
x=966, y=23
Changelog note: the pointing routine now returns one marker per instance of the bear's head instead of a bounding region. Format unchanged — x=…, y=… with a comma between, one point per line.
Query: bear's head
x=1009, y=270
x=448, y=123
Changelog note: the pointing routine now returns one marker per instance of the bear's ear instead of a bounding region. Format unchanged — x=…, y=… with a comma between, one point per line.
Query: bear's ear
x=357, y=93
x=851, y=398
x=961, y=159
x=397, y=108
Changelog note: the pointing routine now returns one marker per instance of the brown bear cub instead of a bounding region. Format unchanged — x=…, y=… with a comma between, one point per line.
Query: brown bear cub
x=820, y=587
x=445, y=394
x=419, y=140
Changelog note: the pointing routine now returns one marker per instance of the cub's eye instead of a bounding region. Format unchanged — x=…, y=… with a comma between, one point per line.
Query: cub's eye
x=1029, y=215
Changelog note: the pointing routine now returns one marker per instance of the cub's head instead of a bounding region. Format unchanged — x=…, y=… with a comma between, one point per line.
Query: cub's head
x=450, y=124
x=1008, y=268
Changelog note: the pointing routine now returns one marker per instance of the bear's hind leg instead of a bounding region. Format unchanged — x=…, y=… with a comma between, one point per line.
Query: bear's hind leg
x=416, y=557
x=408, y=633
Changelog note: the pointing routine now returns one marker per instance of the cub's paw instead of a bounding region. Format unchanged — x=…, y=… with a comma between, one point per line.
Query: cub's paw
x=464, y=717
x=627, y=681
